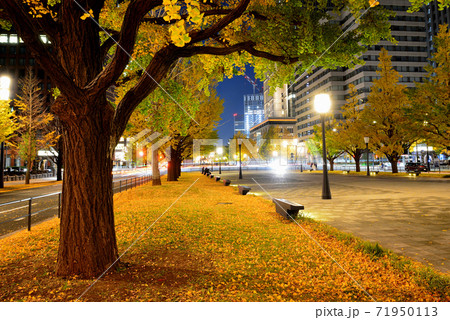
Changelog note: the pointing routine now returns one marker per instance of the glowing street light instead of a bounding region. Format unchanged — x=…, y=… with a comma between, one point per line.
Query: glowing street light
x=322, y=105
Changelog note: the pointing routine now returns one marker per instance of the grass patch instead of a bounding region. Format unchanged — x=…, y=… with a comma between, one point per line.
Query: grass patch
x=212, y=245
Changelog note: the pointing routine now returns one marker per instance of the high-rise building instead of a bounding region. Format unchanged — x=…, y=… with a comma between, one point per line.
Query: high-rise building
x=279, y=104
x=434, y=18
x=409, y=57
x=253, y=110
x=239, y=123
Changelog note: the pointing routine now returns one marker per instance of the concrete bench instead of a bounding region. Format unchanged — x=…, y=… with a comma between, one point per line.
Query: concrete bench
x=226, y=182
x=414, y=174
x=287, y=208
x=244, y=190
x=217, y=179
x=211, y=176
x=346, y=171
x=208, y=174
x=373, y=173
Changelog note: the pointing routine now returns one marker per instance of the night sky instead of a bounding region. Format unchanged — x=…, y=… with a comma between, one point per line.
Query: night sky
x=232, y=92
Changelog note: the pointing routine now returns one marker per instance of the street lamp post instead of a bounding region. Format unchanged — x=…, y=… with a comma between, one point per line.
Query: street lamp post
x=220, y=152
x=366, y=140
x=240, y=159
x=5, y=84
x=322, y=105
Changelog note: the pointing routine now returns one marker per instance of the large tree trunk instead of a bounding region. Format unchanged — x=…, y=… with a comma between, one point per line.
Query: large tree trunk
x=358, y=166
x=87, y=236
x=178, y=167
x=394, y=166
x=29, y=168
x=156, y=175
x=331, y=164
x=171, y=166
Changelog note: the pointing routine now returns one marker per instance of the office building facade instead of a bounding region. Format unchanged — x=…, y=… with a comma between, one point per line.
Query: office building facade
x=253, y=110
x=239, y=123
x=409, y=57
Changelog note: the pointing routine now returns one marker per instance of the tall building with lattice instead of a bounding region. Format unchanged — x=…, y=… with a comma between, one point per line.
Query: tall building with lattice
x=409, y=57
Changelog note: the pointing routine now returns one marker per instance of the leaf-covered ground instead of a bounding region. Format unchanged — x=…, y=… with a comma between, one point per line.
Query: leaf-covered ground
x=215, y=245
x=23, y=186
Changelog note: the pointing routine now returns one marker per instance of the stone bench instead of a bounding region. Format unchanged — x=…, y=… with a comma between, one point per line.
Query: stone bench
x=217, y=179
x=244, y=190
x=226, y=182
x=287, y=208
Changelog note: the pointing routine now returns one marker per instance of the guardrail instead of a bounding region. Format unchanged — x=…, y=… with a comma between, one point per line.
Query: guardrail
x=118, y=186
x=32, y=176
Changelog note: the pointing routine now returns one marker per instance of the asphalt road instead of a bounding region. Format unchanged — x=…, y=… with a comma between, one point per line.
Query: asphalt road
x=410, y=216
x=15, y=206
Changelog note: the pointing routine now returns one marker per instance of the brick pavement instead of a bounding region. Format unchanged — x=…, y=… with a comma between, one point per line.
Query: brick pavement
x=410, y=216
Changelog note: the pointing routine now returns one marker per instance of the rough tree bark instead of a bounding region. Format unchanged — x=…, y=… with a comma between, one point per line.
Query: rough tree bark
x=156, y=176
x=357, y=163
x=59, y=159
x=393, y=162
x=87, y=240
x=171, y=166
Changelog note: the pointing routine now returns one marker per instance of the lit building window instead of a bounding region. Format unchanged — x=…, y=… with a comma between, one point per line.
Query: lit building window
x=13, y=38
x=3, y=38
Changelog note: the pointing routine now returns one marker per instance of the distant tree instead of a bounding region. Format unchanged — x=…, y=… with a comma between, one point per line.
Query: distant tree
x=8, y=124
x=272, y=141
x=431, y=99
x=239, y=136
x=390, y=131
x=334, y=149
x=351, y=130
x=34, y=121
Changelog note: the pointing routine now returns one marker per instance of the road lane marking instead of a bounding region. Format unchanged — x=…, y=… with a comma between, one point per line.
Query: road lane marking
x=17, y=208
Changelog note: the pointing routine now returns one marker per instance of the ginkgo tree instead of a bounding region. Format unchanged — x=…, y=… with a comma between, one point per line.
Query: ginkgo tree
x=93, y=43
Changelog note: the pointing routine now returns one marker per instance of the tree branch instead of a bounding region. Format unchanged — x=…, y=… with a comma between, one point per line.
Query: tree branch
x=107, y=44
x=234, y=14
x=136, y=10
x=154, y=73
x=207, y=13
x=248, y=46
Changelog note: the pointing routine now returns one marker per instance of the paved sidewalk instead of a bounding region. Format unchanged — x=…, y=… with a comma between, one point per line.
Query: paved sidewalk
x=409, y=216
x=32, y=181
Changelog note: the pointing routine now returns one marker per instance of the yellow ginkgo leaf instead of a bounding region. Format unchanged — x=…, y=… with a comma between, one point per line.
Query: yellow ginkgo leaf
x=87, y=15
x=373, y=3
